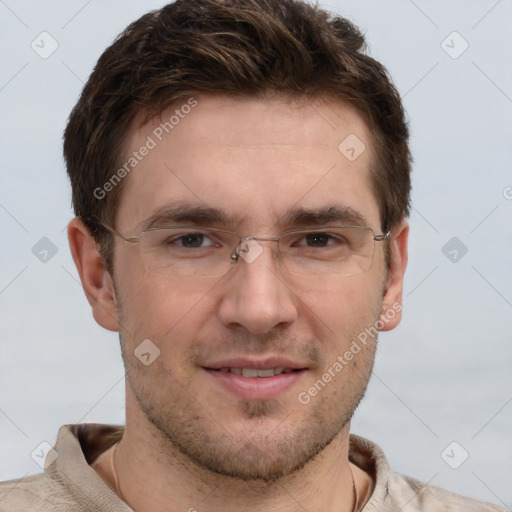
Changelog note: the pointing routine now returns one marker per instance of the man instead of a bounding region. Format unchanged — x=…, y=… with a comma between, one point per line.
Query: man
x=240, y=175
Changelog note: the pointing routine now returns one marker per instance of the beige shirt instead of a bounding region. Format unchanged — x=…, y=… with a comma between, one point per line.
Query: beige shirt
x=69, y=484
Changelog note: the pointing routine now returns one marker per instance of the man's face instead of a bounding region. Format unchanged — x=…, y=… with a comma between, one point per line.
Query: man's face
x=257, y=161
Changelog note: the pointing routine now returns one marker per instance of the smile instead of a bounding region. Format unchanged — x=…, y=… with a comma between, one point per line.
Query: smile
x=256, y=383
x=257, y=372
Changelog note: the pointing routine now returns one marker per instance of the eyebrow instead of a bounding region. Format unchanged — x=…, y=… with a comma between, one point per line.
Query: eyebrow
x=187, y=214
x=327, y=215
x=295, y=217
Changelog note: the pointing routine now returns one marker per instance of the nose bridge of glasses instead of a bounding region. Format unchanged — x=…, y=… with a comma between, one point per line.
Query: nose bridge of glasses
x=262, y=239
x=250, y=249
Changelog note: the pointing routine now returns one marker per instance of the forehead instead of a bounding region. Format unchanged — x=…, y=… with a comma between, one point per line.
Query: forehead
x=254, y=159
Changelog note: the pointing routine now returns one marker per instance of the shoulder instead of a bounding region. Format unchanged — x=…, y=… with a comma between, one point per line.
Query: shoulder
x=68, y=482
x=419, y=497
x=394, y=491
x=38, y=492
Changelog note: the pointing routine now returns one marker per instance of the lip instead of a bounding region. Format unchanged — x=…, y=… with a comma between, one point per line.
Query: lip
x=256, y=388
x=245, y=362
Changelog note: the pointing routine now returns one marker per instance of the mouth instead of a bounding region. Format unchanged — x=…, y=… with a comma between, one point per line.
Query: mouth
x=256, y=372
x=256, y=381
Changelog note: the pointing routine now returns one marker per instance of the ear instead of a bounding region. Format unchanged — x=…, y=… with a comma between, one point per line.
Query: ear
x=391, y=312
x=96, y=281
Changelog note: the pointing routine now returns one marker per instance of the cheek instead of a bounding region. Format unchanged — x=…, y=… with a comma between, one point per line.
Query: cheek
x=338, y=315
x=343, y=301
x=166, y=311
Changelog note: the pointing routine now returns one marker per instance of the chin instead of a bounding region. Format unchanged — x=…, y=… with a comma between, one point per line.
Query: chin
x=258, y=458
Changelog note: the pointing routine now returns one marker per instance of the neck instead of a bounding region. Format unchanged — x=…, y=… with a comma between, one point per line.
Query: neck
x=153, y=476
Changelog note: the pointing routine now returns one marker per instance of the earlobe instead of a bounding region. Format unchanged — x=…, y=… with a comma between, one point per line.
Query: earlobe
x=96, y=281
x=391, y=312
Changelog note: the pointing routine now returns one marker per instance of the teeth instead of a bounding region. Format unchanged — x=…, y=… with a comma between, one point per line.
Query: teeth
x=254, y=372
x=265, y=373
x=250, y=372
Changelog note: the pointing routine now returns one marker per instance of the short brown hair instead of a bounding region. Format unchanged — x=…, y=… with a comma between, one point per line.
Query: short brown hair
x=239, y=48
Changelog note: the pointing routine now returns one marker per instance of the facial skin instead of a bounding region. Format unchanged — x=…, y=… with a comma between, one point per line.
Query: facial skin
x=256, y=160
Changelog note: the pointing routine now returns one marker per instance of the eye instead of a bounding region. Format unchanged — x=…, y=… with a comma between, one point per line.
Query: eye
x=319, y=239
x=192, y=241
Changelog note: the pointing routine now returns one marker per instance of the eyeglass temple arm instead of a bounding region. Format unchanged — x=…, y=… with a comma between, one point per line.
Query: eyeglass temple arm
x=132, y=240
x=381, y=238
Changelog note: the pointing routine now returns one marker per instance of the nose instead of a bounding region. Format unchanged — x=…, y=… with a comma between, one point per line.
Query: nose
x=254, y=295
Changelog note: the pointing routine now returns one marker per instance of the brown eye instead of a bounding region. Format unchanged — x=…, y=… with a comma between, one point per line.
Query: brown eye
x=317, y=239
x=192, y=240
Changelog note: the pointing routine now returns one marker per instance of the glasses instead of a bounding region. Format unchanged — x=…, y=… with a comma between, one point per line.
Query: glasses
x=207, y=252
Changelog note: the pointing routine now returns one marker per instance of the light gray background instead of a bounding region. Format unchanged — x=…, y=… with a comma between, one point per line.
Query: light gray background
x=444, y=375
